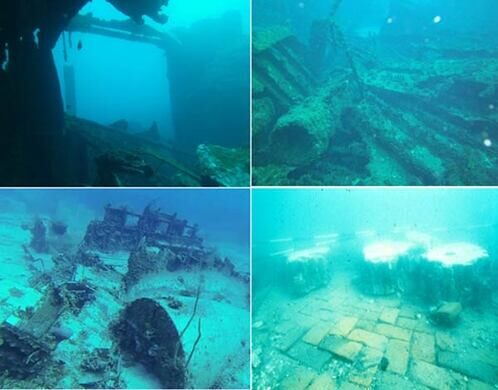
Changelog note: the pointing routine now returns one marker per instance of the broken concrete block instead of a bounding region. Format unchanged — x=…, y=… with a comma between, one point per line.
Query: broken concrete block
x=341, y=347
x=393, y=331
x=447, y=314
x=369, y=357
x=363, y=377
x=316, y=334
x=324, y=381
x=309, y=355
x=344, y=326
x=407, y=323
x=445, y=342
x=226, y=167
x=397, y=355
x=423, y=347
x=436, y=377
x=371, y=339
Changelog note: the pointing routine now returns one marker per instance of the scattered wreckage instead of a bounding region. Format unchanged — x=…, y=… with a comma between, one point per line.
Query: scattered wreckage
x=140, y=330
x=380, y=110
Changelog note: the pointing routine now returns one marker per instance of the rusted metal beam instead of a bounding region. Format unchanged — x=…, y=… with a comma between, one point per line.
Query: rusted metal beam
x=121, y=29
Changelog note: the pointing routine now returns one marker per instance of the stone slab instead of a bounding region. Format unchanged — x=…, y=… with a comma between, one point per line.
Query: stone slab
x=423, y=325
x=397, y=352
x=341, y=347
x=424, y=347
x=487, y=355
x=468, y=365
x=408, y=312
x=474, y=384
x=309, y=310
x=285, y=341
x=309, y=355
x=363, y=377
x=371, y=339
x=445, y=342
x=323, y=382
x=315, y=335
x=343, y=326
x=370, y=315
x=436, y=377
x=327, y=316
x=389, y=315
x=392, y=331
x=407, y=323
x=389, y=381
x=369, y=357
x=285, y=326
x=298, y=379
x=448, y=314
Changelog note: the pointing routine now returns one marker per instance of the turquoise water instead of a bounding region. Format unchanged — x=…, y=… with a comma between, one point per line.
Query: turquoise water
x=126, y=93
x=349, y=287
x=464, y=15
x=118, y=79
x=78, y=344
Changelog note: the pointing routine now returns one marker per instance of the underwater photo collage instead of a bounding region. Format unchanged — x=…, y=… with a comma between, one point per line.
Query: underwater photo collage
x=249, y=194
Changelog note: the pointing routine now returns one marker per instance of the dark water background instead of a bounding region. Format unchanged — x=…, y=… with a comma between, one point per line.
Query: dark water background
x=120, y=79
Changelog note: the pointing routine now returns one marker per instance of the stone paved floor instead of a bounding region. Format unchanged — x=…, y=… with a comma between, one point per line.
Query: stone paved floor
x=336, y=337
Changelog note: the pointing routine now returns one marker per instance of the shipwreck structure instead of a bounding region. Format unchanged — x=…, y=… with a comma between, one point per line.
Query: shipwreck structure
x=348, y=109
x=122, y=229
x=31, y=108
x=29, y=337
x=156, y=241
x=43, y=146
x=85, y=291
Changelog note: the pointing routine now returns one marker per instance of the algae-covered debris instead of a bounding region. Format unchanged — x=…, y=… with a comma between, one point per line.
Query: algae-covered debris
x=421, y=102
x=266, y=39
x=115, y=158
x=447, y=314
x=303, y=134
x=147, y=333
x=226, y=167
